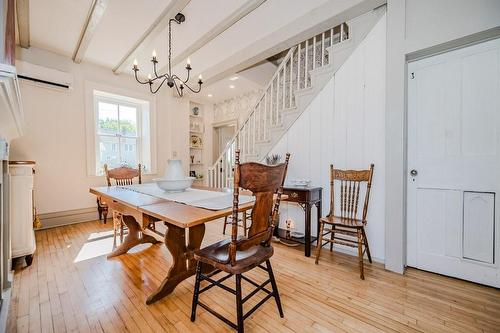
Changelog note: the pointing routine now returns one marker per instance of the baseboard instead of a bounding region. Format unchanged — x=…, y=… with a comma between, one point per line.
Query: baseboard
x=57, y=219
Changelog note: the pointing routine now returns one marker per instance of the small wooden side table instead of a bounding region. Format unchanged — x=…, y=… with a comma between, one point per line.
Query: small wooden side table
x=305, y=197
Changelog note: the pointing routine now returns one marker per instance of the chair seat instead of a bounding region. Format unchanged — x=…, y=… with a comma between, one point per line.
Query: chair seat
x=343, y=221
x=217, y=255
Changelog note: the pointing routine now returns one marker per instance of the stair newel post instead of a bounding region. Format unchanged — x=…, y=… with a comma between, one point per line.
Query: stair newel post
x=341, y=32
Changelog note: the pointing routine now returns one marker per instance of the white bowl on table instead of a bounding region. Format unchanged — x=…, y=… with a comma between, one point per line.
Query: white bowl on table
x=174, y=185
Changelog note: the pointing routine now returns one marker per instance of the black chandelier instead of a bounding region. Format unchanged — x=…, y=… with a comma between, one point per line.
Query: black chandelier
x=172, y=79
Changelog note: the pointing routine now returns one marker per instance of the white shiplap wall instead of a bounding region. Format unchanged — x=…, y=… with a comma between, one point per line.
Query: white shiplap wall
x=345, y=126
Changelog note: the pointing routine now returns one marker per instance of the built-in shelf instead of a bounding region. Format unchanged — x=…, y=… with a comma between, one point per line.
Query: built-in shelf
x=196, y=131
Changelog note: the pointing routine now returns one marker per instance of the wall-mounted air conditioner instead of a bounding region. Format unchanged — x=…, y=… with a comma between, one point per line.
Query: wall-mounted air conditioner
x=45, y=76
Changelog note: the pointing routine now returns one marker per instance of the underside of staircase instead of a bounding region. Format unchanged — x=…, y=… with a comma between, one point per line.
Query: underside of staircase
x=302, y=74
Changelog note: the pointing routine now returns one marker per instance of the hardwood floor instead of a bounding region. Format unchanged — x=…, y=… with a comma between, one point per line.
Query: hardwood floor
x=72, y=287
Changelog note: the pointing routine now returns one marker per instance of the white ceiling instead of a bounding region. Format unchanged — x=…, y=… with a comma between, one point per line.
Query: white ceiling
x=55, y=25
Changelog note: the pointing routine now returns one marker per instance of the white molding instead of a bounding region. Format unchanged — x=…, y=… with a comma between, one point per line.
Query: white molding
x=89, y=88
x=57, y=219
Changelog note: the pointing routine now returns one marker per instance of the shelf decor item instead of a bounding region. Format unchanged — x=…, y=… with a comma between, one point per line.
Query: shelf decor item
x=196, y=111
x=196, y=141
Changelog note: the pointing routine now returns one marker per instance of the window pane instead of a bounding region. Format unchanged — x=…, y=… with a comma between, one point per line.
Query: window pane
x=130, y=156
x=128, y=120
x=108, y=118
x=109, y=152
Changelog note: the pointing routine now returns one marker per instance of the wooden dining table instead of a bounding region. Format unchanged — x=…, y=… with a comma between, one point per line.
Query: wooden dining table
x=139, y=210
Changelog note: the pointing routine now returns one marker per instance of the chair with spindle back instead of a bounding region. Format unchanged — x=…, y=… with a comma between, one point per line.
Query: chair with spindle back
x=348, y=223
x=122, y=176
x=240, y=254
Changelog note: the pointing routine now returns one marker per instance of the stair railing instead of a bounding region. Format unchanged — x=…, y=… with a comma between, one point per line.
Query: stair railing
x=277, y=98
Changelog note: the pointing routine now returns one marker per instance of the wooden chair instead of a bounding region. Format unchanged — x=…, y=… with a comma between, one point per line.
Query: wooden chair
x=122, y=176
x=238, y=255
x=245, y=216
x=348, y=224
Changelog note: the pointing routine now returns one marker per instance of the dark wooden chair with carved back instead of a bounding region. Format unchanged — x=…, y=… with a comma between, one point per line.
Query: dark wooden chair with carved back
x=347, y=228
x=121, y=176
x=240, y=254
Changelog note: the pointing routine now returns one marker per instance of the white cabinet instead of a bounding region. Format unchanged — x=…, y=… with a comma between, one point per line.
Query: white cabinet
x=21, y=210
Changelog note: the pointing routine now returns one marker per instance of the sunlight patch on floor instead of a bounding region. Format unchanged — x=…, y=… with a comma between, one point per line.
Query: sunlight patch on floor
x=96, y=246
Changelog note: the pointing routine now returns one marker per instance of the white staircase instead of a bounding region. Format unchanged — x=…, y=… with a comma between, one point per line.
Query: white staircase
x=302, y=74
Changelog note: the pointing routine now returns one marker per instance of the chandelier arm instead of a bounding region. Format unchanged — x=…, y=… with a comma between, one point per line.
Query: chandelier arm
x=180, y=93
x=137, y=79
x=195, y=91
x=159, y=86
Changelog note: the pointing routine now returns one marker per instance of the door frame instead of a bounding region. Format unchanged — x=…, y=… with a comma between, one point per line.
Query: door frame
x=410, y=58
x=215, y=135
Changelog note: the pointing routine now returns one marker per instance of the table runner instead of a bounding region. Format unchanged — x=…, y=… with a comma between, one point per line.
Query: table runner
x=212, y=200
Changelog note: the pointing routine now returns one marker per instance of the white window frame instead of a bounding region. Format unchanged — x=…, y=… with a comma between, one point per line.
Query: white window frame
x=146, y=121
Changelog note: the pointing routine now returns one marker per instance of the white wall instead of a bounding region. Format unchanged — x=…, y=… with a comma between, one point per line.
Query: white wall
x=412, y=26
x=55, y=131
x=344, y=126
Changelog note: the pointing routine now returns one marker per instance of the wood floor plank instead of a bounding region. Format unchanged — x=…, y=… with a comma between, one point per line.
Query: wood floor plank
x=72, y=287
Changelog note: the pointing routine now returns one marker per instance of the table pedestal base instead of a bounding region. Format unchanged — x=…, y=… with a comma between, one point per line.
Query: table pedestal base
x=184, y=265
x=134, y=237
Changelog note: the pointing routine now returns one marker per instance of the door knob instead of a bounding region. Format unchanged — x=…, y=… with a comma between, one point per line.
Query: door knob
x=413, y=172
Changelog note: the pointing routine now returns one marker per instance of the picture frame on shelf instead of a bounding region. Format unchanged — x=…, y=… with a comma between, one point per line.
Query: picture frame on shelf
x=192, y=173
x=196, y=141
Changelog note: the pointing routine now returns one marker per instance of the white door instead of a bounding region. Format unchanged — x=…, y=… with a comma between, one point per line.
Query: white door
x=454, y=163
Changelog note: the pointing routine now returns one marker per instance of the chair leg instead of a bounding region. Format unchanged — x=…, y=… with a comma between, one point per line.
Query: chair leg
x=196, y=291
x=360, y=255
x=275, y=288
x=105, y=215
x=99, y=210
x=239, y=304
x=332, y=236
x=225, y=224
x=367, y=247
x=319, y=241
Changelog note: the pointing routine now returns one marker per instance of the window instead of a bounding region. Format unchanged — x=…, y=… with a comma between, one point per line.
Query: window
x=122, y=132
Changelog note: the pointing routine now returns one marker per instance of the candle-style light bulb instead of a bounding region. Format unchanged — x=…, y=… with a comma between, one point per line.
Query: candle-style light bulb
x=135, y=62
x=200, y=80
x=188, y=62
x=154, y=53
x=200, y=77
x=149, y=77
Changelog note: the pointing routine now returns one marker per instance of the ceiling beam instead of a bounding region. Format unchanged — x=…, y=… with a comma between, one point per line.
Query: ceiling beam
x=174, y=7
x=23, y=22
x=238, y=14
x=94, y=16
